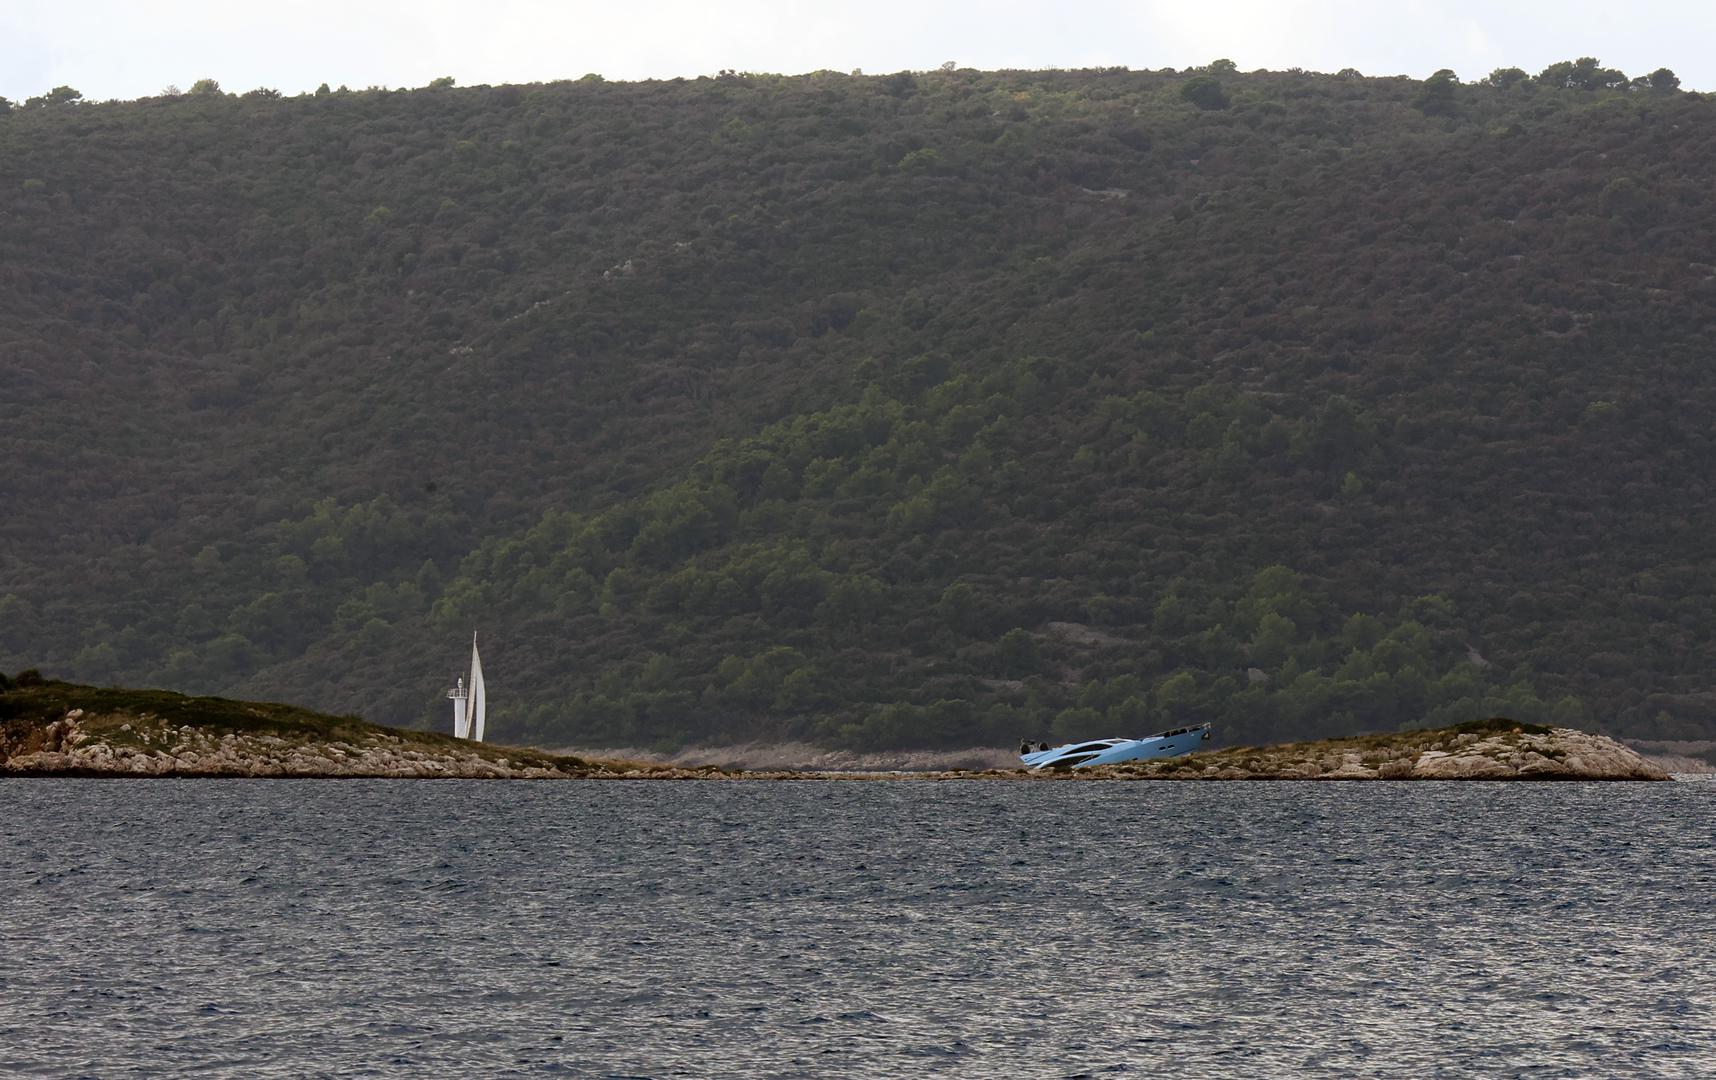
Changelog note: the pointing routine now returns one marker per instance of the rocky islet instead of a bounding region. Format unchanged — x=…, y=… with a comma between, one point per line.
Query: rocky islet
x=80, y=743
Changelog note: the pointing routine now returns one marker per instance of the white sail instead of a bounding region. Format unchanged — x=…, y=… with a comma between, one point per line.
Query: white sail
x=479, y=700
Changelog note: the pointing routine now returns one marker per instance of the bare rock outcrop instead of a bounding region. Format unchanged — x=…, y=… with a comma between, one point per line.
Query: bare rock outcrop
x=1494, y=750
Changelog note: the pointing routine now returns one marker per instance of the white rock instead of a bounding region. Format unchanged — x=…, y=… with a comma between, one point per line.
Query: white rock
x=1463, y=767
x=1351, y=770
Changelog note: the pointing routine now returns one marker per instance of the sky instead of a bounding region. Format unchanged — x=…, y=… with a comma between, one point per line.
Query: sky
x=112, y=49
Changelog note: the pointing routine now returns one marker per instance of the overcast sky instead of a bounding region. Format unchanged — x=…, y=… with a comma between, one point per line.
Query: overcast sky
x=112, y=49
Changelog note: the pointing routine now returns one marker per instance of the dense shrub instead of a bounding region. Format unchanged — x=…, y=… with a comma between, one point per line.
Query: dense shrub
x=901, y=408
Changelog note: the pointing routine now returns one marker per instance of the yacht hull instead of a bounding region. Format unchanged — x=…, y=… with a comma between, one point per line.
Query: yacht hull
x=1084, y=755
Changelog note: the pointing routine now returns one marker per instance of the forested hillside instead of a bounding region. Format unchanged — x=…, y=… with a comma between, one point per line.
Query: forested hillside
x=924, y=408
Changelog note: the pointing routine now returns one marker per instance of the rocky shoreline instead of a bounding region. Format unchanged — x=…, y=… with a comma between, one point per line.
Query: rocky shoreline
x=1484, y=750
x=84, y=743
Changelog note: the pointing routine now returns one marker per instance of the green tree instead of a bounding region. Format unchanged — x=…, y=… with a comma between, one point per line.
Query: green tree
x=1177, y=699
x=1663, y=81
x=59, y=95
x=1071, y=725
x=1624, y=198
x=1436, y=96
x=794, y=589
x=925, y=159
x=1585, y=73
x=205, y=88
x=1432, y=610
x=1205, y=93
x=1017, y=655
x=1361, y=631
x=852, y=603
x=1274, y=641
x=1340, y=433
x=964, y=610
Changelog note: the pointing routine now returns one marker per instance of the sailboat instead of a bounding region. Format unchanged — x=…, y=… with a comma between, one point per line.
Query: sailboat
x=470, y=702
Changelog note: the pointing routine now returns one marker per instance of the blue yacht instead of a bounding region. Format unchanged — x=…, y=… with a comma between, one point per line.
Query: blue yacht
x=1114, y=751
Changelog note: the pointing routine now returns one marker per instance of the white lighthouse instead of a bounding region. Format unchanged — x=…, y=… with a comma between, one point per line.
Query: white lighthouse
x=460, y=697
x=470, y=703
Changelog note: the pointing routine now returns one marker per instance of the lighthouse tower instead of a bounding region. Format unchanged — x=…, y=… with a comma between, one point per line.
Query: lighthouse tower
x=461, y=721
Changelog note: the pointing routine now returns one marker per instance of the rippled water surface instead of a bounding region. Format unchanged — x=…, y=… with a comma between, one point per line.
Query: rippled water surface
x=287, y=928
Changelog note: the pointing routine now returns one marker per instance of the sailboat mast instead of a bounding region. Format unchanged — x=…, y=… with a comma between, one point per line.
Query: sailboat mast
x=479, y=696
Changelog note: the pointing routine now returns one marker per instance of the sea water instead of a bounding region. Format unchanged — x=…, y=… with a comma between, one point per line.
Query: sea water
x=781, y=929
